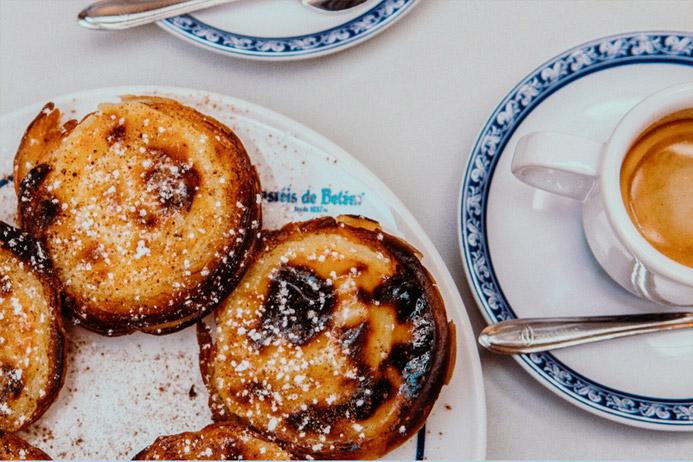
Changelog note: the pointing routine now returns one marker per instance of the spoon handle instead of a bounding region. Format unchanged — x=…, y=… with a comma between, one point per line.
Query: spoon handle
x=123, y=14
x=532, y=335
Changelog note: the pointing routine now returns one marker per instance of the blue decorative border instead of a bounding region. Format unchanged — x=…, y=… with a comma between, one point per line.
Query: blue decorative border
x=646, y=47
x=356, y=29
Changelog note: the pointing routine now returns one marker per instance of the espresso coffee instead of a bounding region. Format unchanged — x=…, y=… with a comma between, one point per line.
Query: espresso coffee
x=657, y=185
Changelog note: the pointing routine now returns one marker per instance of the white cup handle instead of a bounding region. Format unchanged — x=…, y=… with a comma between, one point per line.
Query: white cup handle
x=558, y=163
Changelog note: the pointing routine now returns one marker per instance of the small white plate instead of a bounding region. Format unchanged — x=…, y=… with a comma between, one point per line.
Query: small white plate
x=524, y=250
x=121, y=393
x=281, y=30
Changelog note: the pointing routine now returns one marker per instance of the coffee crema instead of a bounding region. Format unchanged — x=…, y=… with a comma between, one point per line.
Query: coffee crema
x=657, y=185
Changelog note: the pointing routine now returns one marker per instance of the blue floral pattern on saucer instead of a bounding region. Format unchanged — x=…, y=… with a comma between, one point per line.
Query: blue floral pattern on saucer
x=357, y=29
x=648, y=47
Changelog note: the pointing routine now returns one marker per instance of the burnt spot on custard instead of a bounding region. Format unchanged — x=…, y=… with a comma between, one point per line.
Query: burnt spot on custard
x=412, y=359
x=47, y=210
x=404, y=292
x=116, y=135
x=298, y=306
x=27, y=249
x=172, y=181
x=38, y=209
x=370, y=395
x=145, y=217
x=11, y=383
x=91, y=253
x=354, y=339
x=149, y=221
x=5, y=284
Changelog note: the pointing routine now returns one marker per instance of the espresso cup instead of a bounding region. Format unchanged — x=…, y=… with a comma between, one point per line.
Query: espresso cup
x=590, y=172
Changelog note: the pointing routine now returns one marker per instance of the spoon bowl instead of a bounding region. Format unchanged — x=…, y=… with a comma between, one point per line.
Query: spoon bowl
x=124, y=14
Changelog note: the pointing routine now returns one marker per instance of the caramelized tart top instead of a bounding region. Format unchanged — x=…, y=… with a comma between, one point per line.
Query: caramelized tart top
x=335, y=342
x=13, y=447
x=32, y=340
x=149, y=208
x=220, y=441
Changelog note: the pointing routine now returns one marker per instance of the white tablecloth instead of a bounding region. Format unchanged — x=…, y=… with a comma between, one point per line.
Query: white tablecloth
x=408, y=104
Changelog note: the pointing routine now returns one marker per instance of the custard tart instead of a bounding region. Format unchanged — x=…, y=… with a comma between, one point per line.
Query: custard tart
x=149, y=209
x=32, y=339
x=220, y=441
x=13, y=447
x=335, y=343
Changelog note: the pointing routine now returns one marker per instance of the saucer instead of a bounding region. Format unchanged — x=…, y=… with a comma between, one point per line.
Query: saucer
x=280, y=30
x=524, y=250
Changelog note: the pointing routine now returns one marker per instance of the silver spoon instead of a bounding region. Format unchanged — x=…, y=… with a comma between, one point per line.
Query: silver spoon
x=532, y=335
x=124, y=14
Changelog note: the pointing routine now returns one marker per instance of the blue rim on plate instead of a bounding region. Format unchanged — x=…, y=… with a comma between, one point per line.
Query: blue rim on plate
x=618, y=50
x=349, y=33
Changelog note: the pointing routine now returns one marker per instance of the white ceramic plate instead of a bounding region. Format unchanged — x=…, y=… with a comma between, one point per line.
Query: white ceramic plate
x=280, y=30
x=524, y=250
x=121, y=393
